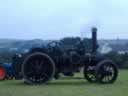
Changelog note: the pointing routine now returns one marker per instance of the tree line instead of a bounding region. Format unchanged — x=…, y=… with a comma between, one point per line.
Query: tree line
x=120, y=59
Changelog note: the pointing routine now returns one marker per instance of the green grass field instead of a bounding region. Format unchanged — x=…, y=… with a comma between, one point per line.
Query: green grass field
x=66, y=87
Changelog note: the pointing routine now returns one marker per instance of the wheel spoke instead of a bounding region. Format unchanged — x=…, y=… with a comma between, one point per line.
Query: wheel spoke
x=45, y=75
x=29, y=73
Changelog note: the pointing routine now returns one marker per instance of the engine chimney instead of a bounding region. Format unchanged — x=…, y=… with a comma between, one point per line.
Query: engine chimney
x=94, y=40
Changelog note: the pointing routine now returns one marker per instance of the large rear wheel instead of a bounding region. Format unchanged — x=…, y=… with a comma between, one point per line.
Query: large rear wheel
x=38, y=68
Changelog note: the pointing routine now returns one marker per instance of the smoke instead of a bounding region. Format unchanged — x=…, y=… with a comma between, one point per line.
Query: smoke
x=109, y=16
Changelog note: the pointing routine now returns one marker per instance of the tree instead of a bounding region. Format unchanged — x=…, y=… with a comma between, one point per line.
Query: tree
x=120, y=59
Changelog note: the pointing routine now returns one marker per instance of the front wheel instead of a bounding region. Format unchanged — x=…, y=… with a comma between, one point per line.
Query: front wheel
x=106, y=72
x=89, y=73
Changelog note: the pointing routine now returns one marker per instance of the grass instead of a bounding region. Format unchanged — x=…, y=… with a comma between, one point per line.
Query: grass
x=66, y=87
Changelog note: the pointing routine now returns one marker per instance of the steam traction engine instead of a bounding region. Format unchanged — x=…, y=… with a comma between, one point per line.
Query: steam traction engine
x=40, y=65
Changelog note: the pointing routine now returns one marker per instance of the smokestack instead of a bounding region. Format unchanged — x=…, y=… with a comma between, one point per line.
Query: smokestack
x=94, y=40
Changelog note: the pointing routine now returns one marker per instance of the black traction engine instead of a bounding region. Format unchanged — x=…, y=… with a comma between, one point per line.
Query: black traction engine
x=40, y=65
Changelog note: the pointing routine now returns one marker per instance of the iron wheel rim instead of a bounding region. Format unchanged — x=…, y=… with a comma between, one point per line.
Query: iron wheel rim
x=35, y=68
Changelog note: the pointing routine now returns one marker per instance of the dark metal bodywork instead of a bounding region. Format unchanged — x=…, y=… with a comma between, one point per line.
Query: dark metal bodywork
x=66, y=61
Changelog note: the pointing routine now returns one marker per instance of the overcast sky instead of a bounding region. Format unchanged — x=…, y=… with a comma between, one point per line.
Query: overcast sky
x=54, y=19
